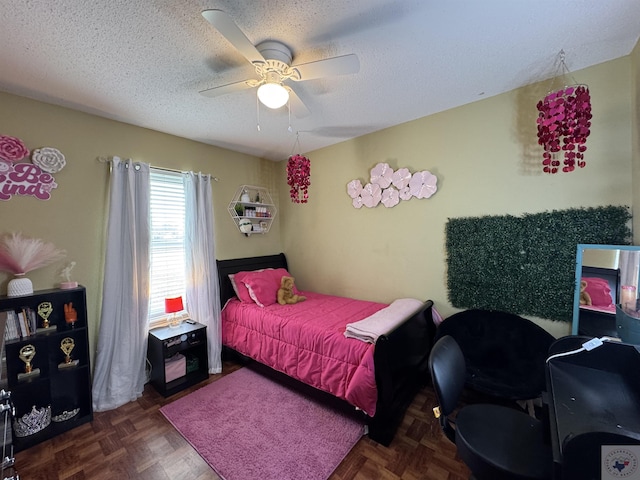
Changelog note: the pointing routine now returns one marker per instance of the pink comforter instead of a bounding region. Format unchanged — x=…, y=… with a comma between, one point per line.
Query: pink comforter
x=306, y=341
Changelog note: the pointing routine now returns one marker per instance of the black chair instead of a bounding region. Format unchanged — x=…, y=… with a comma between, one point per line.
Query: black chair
x=495, y=442
x=504, y=353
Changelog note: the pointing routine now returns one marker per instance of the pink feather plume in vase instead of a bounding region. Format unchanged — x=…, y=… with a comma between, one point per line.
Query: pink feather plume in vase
x=20, y=254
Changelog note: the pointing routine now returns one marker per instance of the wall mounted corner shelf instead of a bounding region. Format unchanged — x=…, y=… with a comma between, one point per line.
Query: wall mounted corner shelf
x=252, y=209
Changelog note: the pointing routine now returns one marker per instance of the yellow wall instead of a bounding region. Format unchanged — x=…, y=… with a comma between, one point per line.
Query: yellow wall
x=600, y=258
x=487, y=161
x=635, y=137
x=75, y=217
x=484, y=155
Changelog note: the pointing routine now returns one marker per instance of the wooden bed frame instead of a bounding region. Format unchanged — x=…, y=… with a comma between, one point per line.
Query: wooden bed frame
x=400, y=357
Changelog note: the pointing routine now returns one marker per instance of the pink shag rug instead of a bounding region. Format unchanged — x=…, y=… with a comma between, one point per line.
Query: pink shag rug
x=248, y=427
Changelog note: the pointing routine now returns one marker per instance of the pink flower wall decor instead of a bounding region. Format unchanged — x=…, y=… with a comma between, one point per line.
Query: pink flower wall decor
x=400, y=178
x=423, y=184
x=371, y=195
x=12, y=149
x=390, y=187
x=405, y=193
x=354, y=190
x=563, y=126
x=299, y=178
x=382, y=175
x=390, y=197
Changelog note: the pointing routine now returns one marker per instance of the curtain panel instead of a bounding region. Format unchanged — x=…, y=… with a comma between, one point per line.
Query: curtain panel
x=119, y=374
x=202, y=296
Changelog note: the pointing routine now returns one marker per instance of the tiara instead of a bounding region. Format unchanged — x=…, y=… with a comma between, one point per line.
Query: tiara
x=66, y=415
x=34, y=421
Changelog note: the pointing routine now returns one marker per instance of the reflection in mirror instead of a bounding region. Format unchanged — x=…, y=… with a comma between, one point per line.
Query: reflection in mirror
x=605, y=300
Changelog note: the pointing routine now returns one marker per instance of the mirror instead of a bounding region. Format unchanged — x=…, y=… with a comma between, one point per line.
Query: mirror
x=611, y=276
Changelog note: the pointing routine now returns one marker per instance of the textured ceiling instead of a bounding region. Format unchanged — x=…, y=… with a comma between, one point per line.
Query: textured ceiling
x=144, y=62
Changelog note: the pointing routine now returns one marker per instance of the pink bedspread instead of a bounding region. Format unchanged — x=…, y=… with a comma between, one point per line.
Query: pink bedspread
x=306, y=341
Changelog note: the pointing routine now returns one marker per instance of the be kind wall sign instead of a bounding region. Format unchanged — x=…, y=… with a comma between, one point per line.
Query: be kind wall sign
x=18, y=177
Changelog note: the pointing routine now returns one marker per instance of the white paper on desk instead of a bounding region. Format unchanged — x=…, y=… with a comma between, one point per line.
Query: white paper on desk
x=620, y=461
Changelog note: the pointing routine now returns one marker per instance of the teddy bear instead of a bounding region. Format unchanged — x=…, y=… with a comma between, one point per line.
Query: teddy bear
x=285, y=292
x=585, y=298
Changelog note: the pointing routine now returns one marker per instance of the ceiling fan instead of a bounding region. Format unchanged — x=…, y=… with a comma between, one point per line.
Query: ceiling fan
x=272, y=61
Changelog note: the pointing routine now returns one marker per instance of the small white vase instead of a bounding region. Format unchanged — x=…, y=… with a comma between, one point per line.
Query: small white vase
x=19, y=286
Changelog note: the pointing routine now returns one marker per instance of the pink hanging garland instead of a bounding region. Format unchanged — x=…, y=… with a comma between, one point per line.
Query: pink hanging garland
x=299, y=178
x=563, y=125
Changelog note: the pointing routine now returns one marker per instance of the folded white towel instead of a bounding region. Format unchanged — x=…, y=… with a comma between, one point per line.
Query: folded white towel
x=383, y=321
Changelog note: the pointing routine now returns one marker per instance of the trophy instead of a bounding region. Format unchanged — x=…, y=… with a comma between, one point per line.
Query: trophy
x=66, y=274
x=67, y=345
x=45, y=309
x=70, y=314
x=27, y=352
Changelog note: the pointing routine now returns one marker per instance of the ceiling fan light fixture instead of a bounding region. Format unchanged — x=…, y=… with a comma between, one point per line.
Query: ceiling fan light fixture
x=273, y=95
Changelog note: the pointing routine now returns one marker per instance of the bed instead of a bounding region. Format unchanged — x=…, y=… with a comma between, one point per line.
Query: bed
x=397, y=362
x=603, y=288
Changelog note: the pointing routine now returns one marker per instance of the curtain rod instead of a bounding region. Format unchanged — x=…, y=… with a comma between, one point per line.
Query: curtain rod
x=108, y=160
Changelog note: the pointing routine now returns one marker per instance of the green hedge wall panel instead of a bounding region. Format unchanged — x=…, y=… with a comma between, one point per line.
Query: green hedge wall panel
x=526, y=265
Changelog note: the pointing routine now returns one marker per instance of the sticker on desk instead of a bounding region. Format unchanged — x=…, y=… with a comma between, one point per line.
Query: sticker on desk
x=620, y=461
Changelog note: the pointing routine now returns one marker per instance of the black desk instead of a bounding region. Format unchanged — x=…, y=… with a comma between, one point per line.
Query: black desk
x=593, y=400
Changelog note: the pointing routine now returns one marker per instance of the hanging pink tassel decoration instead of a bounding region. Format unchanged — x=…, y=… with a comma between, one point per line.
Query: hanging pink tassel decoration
x=299, y=178
x=563, y=126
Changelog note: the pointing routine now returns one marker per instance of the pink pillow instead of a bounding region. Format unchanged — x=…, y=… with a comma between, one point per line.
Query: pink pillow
x=599, y=291
x=263, y=285
x=240, y=288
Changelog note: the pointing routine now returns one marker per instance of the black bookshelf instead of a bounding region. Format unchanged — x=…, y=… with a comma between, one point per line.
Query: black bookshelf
x=64, y=387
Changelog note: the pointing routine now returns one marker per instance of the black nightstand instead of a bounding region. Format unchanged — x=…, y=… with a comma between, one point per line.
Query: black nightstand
x=178, y=357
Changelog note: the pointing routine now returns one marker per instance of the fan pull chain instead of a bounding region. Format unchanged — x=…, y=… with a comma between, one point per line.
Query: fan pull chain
x=257, y=113
x=289, y=108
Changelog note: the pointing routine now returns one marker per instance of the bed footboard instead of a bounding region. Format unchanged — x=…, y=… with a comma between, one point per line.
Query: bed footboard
x=401, y=359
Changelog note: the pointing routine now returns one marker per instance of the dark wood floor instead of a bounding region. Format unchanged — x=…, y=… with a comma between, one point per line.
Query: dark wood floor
x=135, y=441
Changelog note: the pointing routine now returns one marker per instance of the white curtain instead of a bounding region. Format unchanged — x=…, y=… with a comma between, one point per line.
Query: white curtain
x=629, y=261
x=202, y=296
x=119, y=374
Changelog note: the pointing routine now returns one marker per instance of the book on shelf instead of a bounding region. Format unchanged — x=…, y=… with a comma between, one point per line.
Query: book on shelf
x=22, y=323
x=18, y=324
x=11, y=325
x=33, y=322
x=4, y=324
x=27, y=317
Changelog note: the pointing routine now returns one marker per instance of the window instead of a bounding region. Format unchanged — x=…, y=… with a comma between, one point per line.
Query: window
x=167, y=208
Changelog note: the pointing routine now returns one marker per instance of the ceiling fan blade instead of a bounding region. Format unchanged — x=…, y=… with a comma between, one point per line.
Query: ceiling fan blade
x=343, y=65
x=298, y=108
x=229, y=30
x=224, y=89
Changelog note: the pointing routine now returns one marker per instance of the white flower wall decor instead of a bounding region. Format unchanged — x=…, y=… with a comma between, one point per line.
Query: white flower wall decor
x=389, y=187
x=49, y=159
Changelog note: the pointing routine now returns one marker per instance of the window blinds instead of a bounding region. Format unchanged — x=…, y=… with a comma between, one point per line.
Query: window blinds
x=167, y=240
